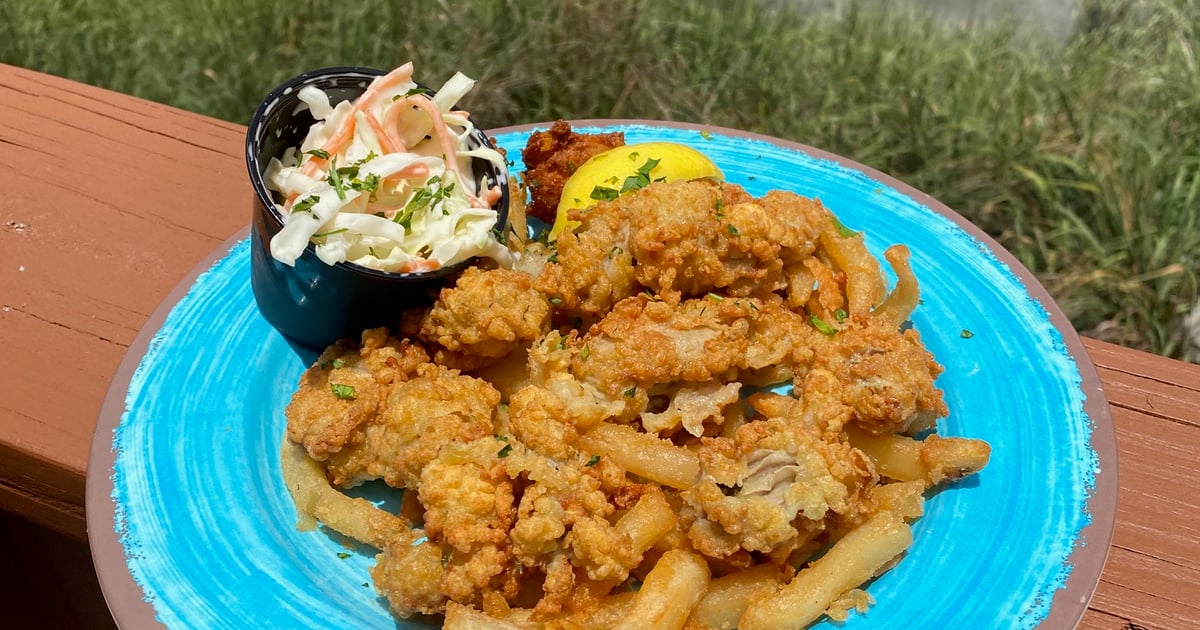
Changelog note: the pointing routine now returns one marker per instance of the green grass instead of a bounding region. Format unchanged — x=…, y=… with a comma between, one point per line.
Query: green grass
x=1083, y=158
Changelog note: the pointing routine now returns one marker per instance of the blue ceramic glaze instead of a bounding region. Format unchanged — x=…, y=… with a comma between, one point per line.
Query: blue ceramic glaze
x=209, y=530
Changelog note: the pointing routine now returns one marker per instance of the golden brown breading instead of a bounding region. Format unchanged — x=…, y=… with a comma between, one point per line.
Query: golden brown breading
x=345, y=388
x=887, y=375
x=409, y=576
x=647, y=342
x=689, y=238
x=551, y=157
x=468, y=499
x=591, y=268
x=770, y=488
x=436, y=407
x=487, y=313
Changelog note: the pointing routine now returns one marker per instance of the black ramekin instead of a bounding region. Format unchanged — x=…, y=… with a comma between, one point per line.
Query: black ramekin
x=314, y=303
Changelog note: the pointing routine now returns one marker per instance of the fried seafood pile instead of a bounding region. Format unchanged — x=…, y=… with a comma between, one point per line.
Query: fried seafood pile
x=565, y=428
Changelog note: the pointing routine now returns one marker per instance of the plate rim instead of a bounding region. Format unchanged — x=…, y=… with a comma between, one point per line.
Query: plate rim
x=130, y=607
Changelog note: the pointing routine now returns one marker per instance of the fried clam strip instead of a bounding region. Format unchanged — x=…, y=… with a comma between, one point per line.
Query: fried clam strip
x=690, y=238
x=887, y=374
x=772, y=487
x=486, y=315
x=346, y=387
x=590, y=269
x=435, y=407
x=695, y=354
x=565, y=525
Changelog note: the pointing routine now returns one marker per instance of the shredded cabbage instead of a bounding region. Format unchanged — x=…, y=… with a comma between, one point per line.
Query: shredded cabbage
x=386, y=181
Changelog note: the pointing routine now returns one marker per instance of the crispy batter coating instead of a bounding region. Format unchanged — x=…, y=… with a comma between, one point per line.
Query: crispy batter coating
x=769, y=488
x=487, y=313
x=591, y=268
x=645, y=342
x=468, y=499
x=323, y=421
x=436, y=407
x=690, y=238
x=888, y=375
x=551, y=157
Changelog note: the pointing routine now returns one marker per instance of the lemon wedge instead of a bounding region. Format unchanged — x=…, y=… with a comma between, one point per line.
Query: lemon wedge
x=627, y=168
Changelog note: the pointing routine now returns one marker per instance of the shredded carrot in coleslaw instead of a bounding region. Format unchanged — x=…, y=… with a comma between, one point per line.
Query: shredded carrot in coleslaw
x=386, y=182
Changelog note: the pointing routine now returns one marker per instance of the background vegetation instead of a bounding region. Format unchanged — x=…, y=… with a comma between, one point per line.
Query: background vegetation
x=1081, y=157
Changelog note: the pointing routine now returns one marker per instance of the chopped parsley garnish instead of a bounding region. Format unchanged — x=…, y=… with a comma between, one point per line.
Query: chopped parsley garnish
x=593, y=460
x=368, y=184
x=641, y=179
x=732, y=230
x=966, y=334
x=841, y=228
x=822, y=325
x=345, y=392
x=424, y=197
x=321, y=153
x=343, y=555
x=333, y=363
x=413, y=92
x=504, y=451
x=706, y=135
x=584, y=354
x=305, y=204
x=556, y=301
x=614, y=251
x=335, y=180
x=840, y=315
x=715, y=298
x=552, y=258
x=631, y=392
x=603, y=193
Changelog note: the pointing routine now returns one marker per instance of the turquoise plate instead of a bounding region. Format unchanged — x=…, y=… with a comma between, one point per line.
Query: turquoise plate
x=191, y=526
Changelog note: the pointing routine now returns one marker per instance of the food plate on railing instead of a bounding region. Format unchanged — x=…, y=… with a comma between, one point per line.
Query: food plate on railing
x=191, y=524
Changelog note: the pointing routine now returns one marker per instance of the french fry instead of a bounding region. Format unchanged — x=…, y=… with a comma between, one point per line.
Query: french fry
x=864, y=280
x=642, y=454
x=906, y=498
x=728, y=595
x=896, y=457
x=647, y=521
x=315, y=498
x=899, y=304
x=952, y=458
x=932, y=460
x=852, y=560
x=460, y=617
x=669, y=593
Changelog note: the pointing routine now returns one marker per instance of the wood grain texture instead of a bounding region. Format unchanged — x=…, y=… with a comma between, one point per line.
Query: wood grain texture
x=106, y=201
x=1152, y=577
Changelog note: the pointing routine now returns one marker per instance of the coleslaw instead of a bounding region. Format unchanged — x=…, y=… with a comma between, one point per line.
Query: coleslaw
x=385, y=181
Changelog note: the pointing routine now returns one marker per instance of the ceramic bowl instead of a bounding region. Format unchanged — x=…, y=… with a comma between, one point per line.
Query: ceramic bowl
x=314, y=303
